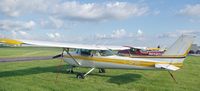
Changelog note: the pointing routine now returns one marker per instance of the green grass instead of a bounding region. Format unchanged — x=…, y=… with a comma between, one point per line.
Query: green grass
x=27, y=51
x=41, y=76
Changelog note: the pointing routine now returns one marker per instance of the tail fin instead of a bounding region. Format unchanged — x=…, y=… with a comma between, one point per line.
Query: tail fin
x=181, y=47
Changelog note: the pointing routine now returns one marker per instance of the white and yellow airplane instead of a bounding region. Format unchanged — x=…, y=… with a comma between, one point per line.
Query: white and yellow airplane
x=100, y=57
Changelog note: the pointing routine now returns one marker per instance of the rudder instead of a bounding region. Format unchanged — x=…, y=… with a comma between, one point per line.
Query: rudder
x=181, y=47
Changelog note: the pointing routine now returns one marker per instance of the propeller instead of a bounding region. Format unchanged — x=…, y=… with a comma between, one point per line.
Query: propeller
x=57, y=56
x=172, y=77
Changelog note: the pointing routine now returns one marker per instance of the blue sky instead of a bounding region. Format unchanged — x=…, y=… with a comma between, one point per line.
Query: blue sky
x=122, y=22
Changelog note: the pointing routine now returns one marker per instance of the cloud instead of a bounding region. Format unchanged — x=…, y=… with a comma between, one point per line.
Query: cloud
x=73, y=10
x=178, y=33
x=116, y=34
x=191, y=10
x=15, y=8
x=19, y=34
x=9, y=25
x=23, y=33
x=54, y=36
x=52, y=23
x=139, y=32
x=120, y=34
x=97, y=12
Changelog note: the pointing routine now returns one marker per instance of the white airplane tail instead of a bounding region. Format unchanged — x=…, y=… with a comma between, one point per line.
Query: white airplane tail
x=177, y=53
x=181, y=47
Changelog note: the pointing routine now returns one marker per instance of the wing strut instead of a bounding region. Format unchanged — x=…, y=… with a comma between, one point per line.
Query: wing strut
x=72, y=56
x=172, y=76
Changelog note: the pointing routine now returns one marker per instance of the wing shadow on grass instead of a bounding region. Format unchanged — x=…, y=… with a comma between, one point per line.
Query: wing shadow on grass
x=124, y=78
x=30, y=71
x=120, y=79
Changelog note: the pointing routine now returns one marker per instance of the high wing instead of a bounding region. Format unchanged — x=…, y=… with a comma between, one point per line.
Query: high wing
x=64, y=45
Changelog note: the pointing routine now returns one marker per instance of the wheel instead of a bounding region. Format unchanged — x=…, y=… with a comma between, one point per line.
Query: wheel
x=101, y=70
x=80, y=76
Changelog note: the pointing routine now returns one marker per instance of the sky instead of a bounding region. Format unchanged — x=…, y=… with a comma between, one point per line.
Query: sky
x=106, y=22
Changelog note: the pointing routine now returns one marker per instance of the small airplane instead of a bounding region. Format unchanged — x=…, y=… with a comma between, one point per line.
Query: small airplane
x=102, y=57
x=141, y=51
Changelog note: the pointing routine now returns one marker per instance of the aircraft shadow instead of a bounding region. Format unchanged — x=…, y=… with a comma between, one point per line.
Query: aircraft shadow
x=118, y=79
x=30, y=71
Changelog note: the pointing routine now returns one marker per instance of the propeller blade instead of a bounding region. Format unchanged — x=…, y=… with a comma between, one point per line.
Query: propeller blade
x=57, y=56
x=172, y=77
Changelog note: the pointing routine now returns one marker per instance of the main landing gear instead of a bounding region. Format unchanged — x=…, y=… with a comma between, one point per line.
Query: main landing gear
x=101, y=70
x=70, y=69
x=82, y=76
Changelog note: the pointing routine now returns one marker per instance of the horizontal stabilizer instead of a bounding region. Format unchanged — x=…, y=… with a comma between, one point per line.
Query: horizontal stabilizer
x=167, y=67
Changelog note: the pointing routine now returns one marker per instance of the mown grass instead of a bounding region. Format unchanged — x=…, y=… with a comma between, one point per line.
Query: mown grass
x=41, y=76
x=27, y=51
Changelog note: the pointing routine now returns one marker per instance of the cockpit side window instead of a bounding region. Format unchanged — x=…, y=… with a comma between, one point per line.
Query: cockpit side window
x=85, y=52
x=132, y=50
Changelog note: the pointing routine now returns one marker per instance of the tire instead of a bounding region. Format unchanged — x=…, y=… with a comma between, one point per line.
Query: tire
x=101, y=70
x=80, y=76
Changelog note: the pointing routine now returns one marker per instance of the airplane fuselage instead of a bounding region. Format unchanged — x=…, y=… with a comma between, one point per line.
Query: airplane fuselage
x=117, y=62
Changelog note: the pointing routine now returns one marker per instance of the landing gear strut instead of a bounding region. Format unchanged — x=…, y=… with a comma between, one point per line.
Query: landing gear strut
x=70, y=69
x=82, y=76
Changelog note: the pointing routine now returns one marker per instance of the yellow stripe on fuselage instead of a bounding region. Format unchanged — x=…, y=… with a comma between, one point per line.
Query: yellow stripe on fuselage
x=121, y=61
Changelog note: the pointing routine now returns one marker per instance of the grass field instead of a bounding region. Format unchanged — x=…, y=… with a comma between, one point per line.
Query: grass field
x=27, y=51
x=41, y=76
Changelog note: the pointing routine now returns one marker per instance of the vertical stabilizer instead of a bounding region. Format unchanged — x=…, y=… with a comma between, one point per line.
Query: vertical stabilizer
x=181, y=47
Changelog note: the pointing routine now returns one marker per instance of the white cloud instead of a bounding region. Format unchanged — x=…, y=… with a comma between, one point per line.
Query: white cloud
x=139, y=32
x=191, y=10
x=9, y=25
x=52, y=23
x=30, y=24
x=178, y=33
x=20, y=34
x=140, y=35
x=54, y=36
x=119, y=33
x=56, y=22
x=23, y=33
x=98, y=12
x=116, y=34
x=17, y=8
x=122, y=33
x=73, y=10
